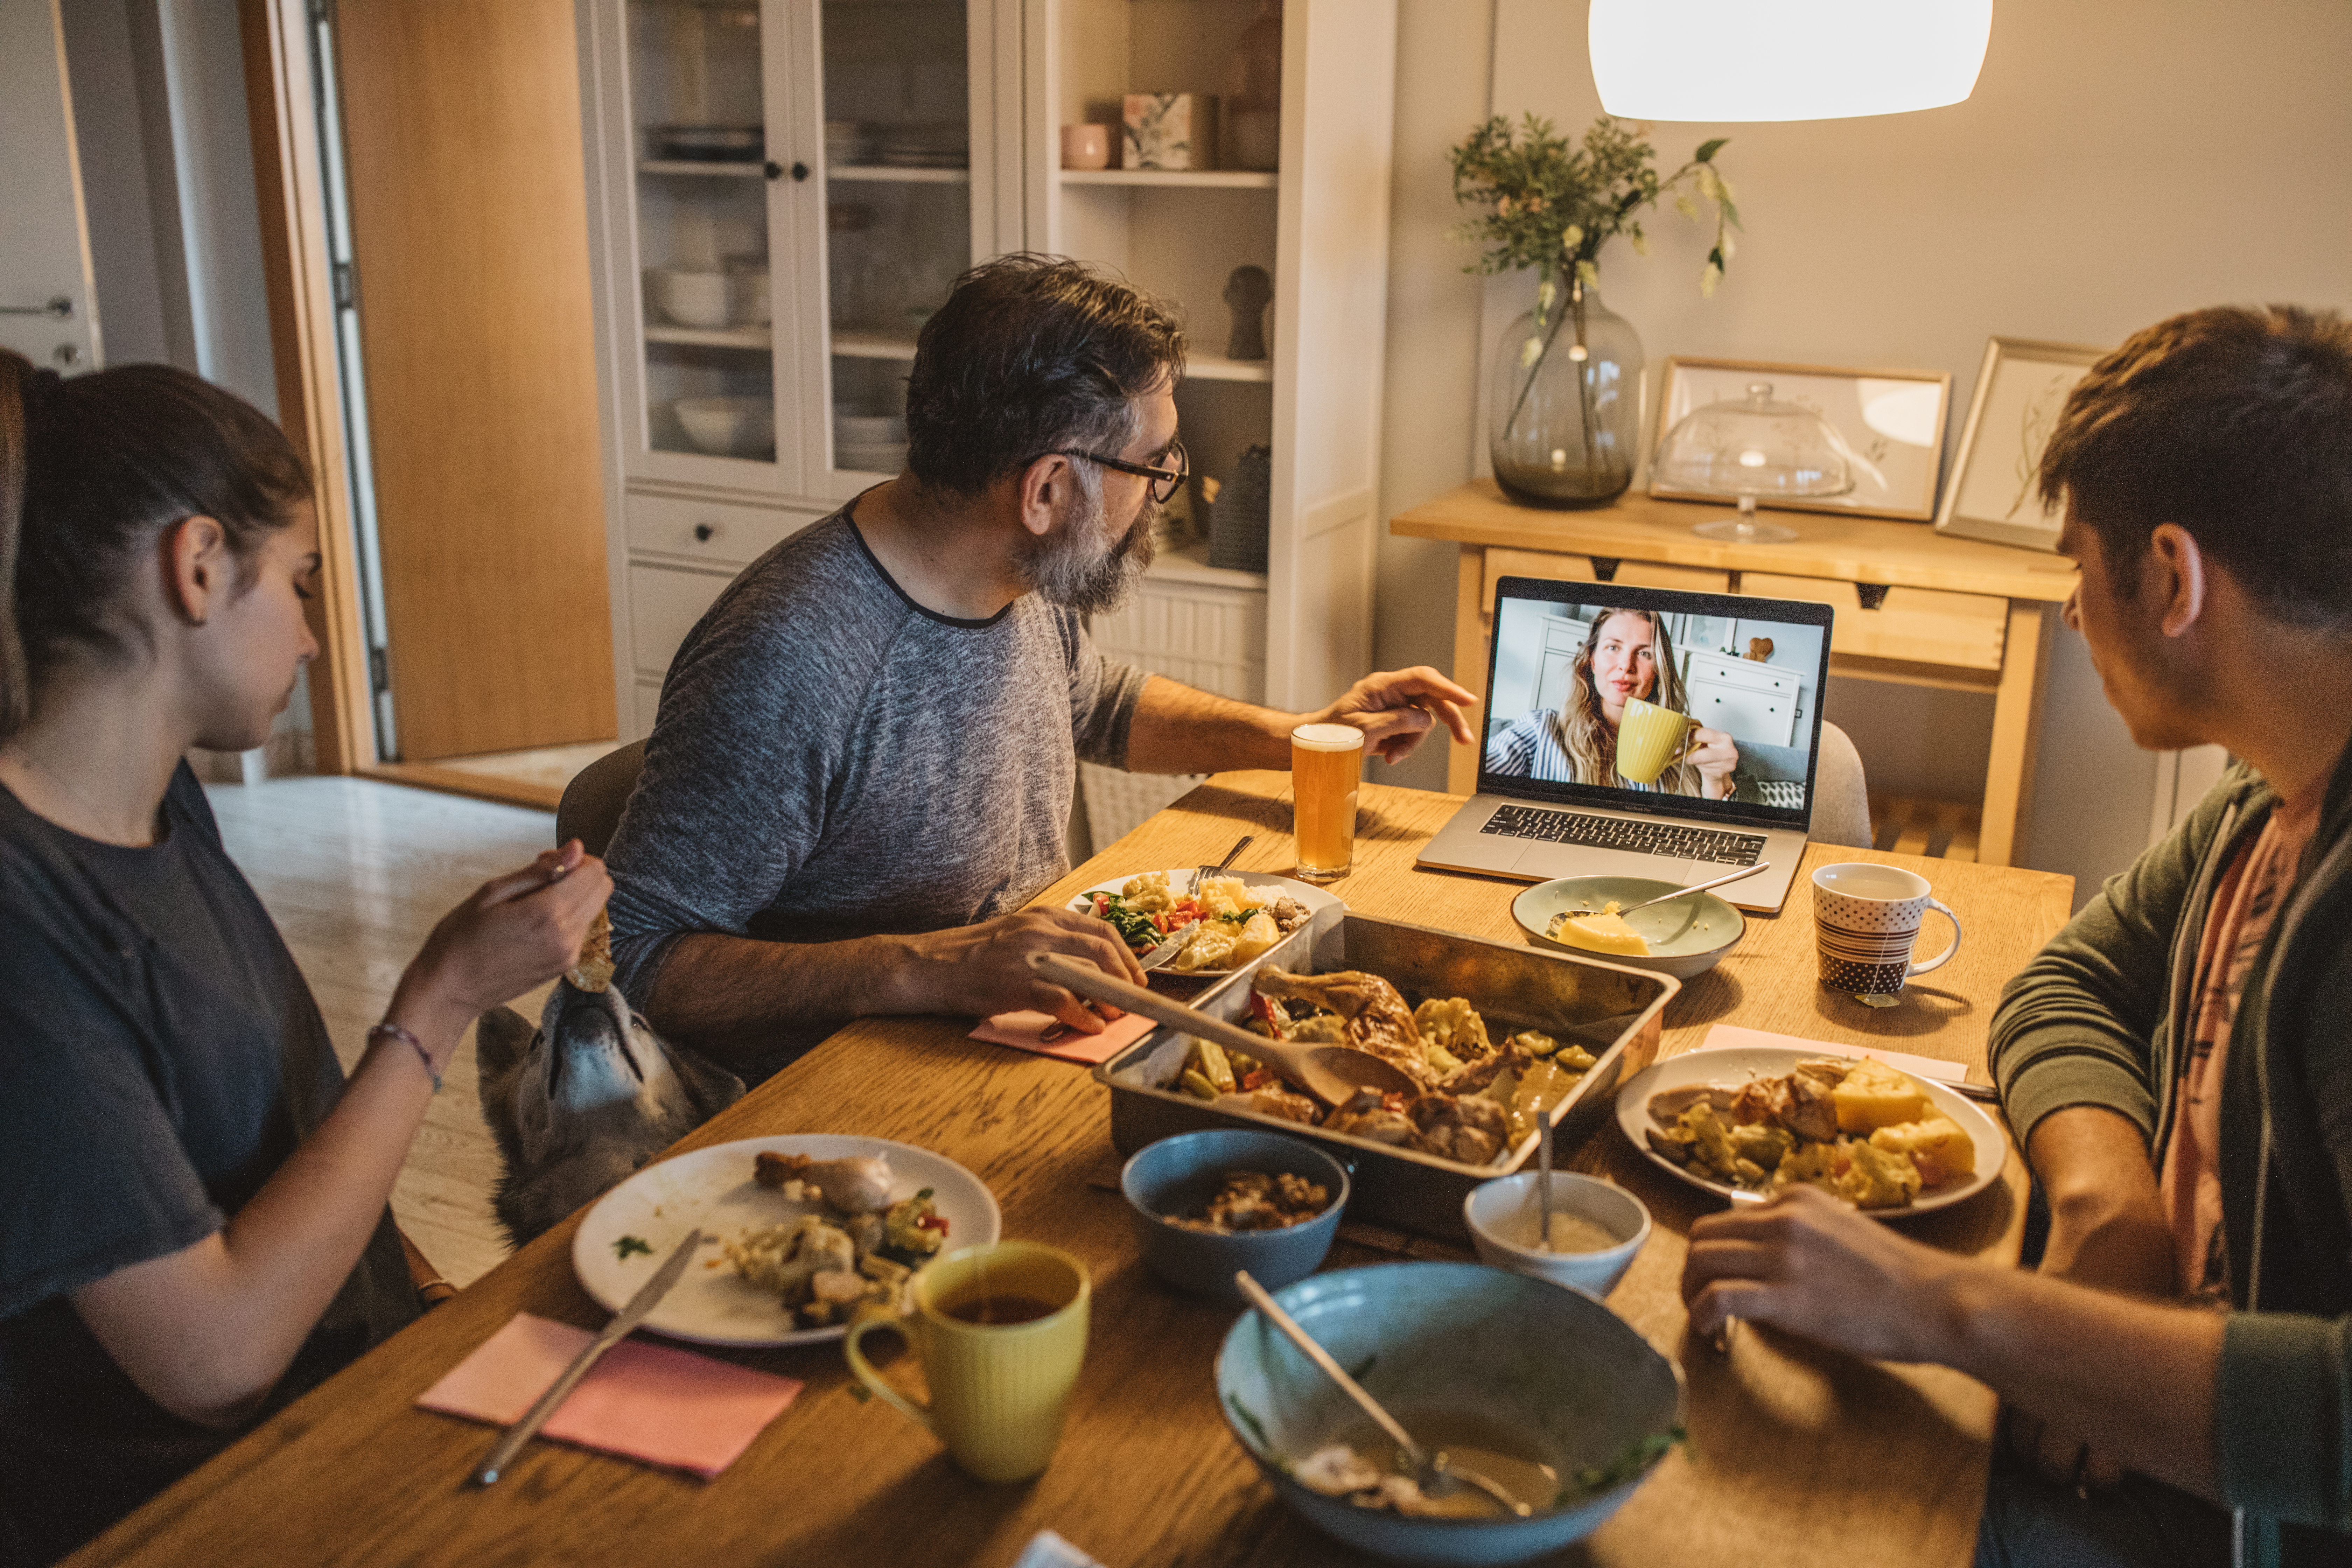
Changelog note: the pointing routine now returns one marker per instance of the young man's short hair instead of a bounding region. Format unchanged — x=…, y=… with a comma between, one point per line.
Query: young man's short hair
x=2235, y=424
x=1031, y=354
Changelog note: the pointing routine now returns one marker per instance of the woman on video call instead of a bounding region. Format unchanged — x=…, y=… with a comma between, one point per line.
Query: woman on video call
x=1626, y=653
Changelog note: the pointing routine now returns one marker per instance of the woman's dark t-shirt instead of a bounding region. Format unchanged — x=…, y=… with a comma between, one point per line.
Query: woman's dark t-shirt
x=160, y=1056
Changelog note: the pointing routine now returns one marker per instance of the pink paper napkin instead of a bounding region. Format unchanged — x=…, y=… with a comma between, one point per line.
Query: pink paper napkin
x=668, y=1407
x=1731, y=1036
x=1020, y=1031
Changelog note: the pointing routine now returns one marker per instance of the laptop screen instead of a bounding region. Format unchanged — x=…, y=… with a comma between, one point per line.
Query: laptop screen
x=1708, y=705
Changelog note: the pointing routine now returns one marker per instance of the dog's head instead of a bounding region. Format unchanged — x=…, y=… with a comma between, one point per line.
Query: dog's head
x=582, y=1100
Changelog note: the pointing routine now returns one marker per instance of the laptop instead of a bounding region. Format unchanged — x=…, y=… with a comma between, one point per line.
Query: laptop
x=1550, y=804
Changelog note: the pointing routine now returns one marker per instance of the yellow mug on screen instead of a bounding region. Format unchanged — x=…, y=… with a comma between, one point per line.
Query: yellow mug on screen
x=1001, y=1331
x=1649, y=740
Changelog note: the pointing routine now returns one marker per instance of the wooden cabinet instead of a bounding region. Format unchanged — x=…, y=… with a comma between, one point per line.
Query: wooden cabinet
x=833, y=165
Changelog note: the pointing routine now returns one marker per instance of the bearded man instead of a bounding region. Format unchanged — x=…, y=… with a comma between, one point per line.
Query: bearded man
x=866, y=753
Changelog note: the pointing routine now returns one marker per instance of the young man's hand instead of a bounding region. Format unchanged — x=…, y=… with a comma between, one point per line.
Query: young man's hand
x=1806, y=1263
x=1396, y=708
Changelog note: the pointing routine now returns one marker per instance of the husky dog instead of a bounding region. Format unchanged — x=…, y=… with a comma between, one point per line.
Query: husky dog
x=579, y=1103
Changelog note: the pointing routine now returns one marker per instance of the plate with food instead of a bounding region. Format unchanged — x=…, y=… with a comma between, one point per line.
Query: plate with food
x=805, y=1230
x=1750, y=1121
x=1236, y=917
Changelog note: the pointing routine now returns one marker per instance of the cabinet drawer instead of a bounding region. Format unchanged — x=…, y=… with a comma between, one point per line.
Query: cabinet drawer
x=720, y=532
x=1746, y=674
x=664, y=604
x=1920, y=625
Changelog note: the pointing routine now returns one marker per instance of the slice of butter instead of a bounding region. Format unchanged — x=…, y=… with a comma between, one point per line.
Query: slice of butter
x=1605, y=932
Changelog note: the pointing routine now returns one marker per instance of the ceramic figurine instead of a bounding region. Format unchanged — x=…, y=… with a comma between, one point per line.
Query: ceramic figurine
x=1249, y=290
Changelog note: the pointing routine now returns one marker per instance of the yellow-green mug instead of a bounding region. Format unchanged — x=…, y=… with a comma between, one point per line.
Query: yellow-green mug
x=999, y=1388
x=1649, y=738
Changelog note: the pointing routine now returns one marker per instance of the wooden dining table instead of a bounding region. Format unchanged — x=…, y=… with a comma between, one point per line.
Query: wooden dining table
x=1796, y=1454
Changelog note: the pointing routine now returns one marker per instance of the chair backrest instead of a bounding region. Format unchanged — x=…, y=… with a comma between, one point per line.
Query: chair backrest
x=1841, y=794
x=591, y=807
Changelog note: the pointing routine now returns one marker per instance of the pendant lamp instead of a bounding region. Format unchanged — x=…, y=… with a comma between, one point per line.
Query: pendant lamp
x=1784, y=60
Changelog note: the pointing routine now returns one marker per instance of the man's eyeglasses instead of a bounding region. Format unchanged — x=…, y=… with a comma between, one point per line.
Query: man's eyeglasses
x=1163, y=480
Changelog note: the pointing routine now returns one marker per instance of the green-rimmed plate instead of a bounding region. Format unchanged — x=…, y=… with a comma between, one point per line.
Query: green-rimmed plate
x=1685, y=937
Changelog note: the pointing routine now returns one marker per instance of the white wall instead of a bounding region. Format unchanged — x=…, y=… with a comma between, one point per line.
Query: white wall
x=2117, y=163
x=160, y=116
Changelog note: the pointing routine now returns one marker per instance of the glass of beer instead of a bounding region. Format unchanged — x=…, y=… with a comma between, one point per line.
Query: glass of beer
x=1327, y=762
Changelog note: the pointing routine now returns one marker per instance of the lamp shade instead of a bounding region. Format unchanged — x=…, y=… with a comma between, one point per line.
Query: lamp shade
x=1785, y=60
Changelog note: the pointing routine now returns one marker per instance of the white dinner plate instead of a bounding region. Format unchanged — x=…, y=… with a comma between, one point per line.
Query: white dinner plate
x=1740, y=1064
x=1268, y=886
x=714, y=1188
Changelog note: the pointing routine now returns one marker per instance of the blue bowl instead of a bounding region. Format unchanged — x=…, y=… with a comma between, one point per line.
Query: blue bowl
x=1550, y=1373
x=1180, y=1174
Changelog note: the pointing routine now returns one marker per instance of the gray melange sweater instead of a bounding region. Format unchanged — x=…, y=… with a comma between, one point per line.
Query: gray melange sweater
x=832, y=760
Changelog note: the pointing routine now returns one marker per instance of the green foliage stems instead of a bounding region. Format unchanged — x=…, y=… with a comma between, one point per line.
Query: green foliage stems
x=1551, y=204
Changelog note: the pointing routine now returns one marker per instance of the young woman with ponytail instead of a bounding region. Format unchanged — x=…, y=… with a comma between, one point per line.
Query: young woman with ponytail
x=193, y=1219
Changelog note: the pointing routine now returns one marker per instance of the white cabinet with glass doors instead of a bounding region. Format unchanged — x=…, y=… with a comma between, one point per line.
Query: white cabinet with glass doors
x=781, y=191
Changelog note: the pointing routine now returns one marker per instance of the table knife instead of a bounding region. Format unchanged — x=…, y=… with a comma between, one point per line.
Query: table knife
x=640, y=1305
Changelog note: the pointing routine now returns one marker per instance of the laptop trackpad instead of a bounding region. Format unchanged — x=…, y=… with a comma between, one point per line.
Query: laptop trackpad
x=1545, y=861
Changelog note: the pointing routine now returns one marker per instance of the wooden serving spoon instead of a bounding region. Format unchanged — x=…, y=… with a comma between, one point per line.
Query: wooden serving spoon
x=1332, y=1074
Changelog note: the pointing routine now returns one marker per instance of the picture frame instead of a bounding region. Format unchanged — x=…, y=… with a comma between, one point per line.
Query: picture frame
x=1891, y=422
x=2020, y=388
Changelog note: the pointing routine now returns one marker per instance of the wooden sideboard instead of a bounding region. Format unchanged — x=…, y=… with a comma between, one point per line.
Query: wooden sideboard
x=1913, y=607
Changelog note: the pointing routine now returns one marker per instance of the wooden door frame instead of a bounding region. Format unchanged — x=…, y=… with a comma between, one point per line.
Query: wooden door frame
x=290, y=182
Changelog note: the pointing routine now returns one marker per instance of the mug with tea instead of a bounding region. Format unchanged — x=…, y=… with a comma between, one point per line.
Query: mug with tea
x=1867, y=917
x=1001, y=1331
x=1650, y=739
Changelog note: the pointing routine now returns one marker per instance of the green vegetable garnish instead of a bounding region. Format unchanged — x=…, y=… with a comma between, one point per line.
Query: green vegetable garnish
x=1636, y=1458
x=629, y=1246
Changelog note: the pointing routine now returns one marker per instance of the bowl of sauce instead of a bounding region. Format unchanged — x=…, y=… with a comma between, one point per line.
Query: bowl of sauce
x=1596, y=1229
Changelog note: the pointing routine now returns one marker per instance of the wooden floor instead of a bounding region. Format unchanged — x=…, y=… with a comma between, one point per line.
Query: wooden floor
x=356, y=872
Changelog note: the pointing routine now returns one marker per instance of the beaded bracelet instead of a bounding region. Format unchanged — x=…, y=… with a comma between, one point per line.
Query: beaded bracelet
x=392, y=1031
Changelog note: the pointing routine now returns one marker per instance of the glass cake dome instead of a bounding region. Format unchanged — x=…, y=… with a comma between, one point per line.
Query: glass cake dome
x=1754, y=448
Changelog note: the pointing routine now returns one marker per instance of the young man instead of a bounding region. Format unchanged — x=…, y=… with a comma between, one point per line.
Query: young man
x=866, y=754
x=2178, y=1062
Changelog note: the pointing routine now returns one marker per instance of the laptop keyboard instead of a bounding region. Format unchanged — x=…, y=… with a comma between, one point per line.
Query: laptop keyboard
x=1671, y=839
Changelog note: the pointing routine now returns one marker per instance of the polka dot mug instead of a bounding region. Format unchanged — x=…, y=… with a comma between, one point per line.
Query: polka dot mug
x=1865, y=918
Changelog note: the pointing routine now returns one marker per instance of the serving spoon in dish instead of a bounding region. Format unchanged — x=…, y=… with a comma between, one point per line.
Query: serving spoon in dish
x=1332, y=1074
x=1432, y=1471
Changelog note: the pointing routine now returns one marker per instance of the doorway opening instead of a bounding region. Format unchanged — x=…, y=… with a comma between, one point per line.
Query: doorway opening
x=448, y=221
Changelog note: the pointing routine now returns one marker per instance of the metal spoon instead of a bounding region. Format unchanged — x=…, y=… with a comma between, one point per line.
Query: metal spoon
x=1543, y=1179
x=1432, y=1471
x=1697, y=888
x=1332, y=1074
x=1203, y=872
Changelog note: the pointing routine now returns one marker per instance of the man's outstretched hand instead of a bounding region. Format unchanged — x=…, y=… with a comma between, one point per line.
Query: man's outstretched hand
x=1396, y=708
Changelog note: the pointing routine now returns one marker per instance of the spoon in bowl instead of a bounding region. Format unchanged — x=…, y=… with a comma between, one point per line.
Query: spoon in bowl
x=1432, y=1471
x=1741, y=875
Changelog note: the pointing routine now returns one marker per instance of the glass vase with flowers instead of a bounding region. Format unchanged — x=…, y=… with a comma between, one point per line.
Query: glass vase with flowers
x=1567, y=408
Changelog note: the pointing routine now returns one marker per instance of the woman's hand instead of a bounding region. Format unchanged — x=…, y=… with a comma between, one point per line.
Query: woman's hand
x=1717, y=758
x=518, y=930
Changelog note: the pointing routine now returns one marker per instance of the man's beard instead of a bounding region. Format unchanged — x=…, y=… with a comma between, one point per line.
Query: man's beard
x=1065, y=571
